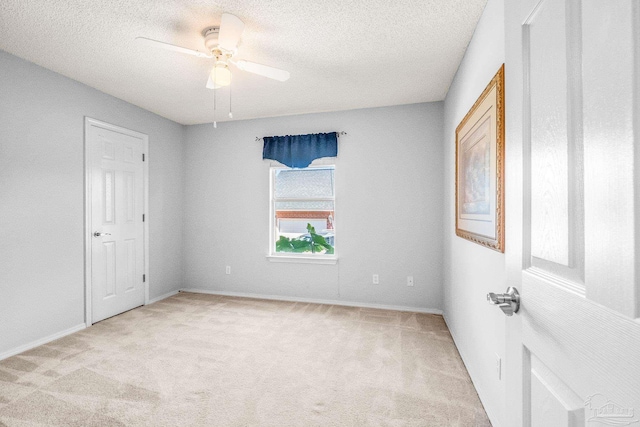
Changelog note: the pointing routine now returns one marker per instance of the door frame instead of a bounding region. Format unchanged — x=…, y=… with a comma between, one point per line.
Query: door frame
x=88, y=226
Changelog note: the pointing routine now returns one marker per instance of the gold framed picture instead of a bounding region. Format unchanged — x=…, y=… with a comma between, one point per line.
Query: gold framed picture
x=480, y=168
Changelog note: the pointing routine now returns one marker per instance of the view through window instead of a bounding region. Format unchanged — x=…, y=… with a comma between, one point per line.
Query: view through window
x=303, y=207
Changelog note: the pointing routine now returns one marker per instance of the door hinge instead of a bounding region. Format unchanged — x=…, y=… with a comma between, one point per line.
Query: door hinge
x=143, y=157
x=142, y=217
x=144, y=278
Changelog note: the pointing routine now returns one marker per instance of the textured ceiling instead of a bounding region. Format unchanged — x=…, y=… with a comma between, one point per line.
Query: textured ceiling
x=342, y=54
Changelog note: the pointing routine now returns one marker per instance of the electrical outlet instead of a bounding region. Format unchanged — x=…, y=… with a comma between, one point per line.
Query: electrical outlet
x=228, y=269
x=499, y=367
x=376, y=279
x=409, y=280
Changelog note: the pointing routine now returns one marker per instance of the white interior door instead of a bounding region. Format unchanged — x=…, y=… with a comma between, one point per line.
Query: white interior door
x=116, y=192
x=573, y=200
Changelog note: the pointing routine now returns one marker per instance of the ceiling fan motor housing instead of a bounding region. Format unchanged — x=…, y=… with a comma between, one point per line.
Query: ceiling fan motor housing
x=211, y=38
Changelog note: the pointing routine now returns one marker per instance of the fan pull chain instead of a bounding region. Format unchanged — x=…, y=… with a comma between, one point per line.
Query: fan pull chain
x=215, y=124
x=230, y=112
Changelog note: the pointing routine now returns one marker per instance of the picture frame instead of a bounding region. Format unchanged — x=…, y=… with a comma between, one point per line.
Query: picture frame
x=480, y=169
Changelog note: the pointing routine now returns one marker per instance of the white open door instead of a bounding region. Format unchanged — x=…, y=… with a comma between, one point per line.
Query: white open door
x=573, y=212
x=116, y=245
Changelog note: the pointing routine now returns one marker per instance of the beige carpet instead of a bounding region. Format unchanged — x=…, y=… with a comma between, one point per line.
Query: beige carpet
x=204, y=360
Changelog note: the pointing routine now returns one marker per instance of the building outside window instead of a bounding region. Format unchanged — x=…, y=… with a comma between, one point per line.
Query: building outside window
x=303, y=211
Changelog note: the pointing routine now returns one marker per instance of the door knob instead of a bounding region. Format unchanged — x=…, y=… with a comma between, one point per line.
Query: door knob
x=98, y=234
x=508, y=302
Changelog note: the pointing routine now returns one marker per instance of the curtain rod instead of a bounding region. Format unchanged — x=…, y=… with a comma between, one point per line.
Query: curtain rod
x=339, y=133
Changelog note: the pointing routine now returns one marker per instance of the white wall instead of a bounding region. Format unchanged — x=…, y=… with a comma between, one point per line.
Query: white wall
x=470, y=270
x=388, y=170
x=42, y=198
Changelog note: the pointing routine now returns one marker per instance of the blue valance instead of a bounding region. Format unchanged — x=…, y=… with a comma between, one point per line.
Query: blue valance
x=298, y=151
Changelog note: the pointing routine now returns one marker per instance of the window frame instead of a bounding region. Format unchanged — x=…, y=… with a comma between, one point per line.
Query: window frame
x=306, y=258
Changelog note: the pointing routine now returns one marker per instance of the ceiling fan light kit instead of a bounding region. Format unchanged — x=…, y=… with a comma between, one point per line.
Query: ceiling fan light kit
x=221, y=43
x=220, y=75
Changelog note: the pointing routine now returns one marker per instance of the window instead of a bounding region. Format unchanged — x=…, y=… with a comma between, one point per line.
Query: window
x=303, y=212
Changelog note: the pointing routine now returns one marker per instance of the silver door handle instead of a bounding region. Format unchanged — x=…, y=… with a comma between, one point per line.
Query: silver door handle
x=508, y=302
x=98, y=234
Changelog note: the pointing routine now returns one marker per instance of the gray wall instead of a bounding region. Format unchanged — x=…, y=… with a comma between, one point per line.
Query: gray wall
x=42, y=198
x=470, y=270
x=388, y=171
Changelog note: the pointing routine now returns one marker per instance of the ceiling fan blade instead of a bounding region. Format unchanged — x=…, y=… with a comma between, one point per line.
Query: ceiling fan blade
x=168, y=46
x=263, y=70
x=210, y=84
x=231, y=28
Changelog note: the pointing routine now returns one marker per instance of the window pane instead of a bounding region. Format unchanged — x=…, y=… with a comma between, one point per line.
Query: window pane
x=293, y=217
x=297, y=212
x=293, y=236
x=303, y=183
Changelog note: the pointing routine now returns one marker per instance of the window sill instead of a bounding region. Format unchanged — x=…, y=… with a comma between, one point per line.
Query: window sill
x=303, y=259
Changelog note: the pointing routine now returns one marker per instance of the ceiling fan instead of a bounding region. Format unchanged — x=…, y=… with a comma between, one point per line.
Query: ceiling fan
x=221, y=44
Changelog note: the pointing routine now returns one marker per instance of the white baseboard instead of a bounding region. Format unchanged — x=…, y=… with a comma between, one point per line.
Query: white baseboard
x=41, y=341
x=316, y=301
x=488, y=410
x=161, y=297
